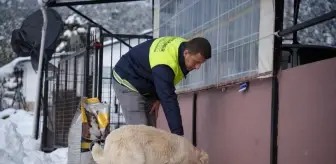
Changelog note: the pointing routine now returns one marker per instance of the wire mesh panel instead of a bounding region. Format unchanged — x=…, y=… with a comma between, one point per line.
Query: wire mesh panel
x=74, y=79
x=67, y=93
x=113, y=50
x=232, y=28
x=84, y=73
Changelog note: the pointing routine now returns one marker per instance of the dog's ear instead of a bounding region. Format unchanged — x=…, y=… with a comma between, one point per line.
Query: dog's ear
x=204, y=157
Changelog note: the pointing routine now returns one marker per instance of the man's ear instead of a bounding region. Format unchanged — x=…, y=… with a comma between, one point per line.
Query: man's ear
x=185, y=52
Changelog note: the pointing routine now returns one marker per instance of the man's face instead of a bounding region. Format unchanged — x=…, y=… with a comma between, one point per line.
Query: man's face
x=193, y=61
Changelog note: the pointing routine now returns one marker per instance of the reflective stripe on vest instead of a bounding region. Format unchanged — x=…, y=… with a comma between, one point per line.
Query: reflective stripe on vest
x=165, y=50
x=124, y=82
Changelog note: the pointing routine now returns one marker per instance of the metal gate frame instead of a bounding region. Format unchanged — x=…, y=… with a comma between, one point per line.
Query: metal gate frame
x=92, y=73
x=126, y=41
x=47, y=143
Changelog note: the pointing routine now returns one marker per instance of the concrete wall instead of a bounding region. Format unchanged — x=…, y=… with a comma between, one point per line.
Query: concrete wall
x=234, y=127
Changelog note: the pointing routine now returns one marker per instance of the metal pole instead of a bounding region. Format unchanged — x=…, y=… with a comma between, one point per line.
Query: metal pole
x=75, y=75
x=86, y=64
x=296, y=15
x=96, y=73
x=153, y=11
x=66, y=76
x=45, y=107
x=101, y=55
x=37, y=111
x=142, y=36
x=328, y=16
x=278, y=25
x=194, y=120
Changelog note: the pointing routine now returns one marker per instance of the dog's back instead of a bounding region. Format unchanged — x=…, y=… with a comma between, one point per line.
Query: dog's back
x=141, y=144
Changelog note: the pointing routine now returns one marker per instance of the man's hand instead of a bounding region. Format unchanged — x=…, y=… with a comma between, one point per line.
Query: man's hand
x=155, y=108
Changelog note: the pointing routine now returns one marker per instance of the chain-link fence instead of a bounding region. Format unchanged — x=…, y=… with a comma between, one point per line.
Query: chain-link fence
x=67, y=90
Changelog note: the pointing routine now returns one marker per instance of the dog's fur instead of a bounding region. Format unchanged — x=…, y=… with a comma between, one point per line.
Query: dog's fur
x=141, y=144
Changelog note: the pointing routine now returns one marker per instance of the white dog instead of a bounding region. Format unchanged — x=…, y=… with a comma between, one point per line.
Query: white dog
x=141, y=144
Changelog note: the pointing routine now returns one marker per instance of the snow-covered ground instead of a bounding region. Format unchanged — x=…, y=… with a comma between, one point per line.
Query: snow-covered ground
x=17, y=145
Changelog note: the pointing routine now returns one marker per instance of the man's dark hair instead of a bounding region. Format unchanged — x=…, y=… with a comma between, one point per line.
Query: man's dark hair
x=199, y=45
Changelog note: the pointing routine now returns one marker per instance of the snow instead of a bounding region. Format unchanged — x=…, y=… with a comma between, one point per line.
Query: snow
x=9, y=3
x=10, y=84
x=16, y=144
x=330, y=38
x=67, y=33
x=74, y=26
x=81, y=30
x=80, y=21
x=147, y=31
x=61, y=46
x=8, y=69
x=70, y=19
x=110, y=41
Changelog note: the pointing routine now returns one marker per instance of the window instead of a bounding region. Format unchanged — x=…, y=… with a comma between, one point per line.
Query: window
x=231, y=26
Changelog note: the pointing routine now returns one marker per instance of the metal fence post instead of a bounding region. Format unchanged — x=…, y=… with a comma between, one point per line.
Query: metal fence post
x=45, y=104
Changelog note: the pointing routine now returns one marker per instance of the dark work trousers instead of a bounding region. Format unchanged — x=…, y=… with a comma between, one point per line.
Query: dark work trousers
x=134, y=106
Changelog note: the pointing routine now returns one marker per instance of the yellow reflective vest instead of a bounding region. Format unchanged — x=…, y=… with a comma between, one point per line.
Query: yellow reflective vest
x=164, y=50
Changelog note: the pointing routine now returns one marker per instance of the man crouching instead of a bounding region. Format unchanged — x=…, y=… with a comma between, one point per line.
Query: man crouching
x=141, y=144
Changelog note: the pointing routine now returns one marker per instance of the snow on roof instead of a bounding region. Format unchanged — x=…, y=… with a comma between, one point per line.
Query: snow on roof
x=8, y=69
x=60, y=54
x=114, y=41
x=146, y=31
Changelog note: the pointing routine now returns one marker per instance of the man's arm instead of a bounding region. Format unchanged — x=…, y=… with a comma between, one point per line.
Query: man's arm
x=163, y=77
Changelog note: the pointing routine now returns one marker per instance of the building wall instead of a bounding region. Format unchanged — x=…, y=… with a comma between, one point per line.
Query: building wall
x=240, y=32
x=307, y=124
x=29, y=82
x=232, y=127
